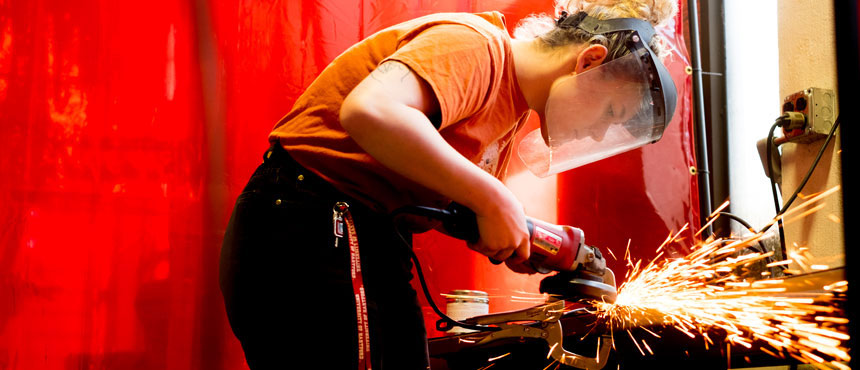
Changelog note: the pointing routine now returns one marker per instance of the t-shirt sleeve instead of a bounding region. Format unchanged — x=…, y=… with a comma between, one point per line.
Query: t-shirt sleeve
x=457, y=62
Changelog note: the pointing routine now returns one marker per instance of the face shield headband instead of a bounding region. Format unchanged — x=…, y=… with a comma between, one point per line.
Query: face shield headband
x=620, y=105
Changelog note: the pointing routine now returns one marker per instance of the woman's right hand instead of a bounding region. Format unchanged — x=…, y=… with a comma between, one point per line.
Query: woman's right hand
x=504, y=235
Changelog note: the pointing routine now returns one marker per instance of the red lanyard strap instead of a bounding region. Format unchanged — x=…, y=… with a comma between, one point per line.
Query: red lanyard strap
x=342, y=211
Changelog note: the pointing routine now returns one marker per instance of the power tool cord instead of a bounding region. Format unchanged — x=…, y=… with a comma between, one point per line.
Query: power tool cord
x=781, y=210
x=447, y=320
x=811, y=168
x=762, y=249
x=784, y=208
x=777, y=123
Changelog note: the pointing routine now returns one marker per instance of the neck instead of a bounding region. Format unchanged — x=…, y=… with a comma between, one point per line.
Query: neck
x=537, y=67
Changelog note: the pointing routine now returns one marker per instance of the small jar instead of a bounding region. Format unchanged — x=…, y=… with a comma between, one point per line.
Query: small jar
x=463, y=304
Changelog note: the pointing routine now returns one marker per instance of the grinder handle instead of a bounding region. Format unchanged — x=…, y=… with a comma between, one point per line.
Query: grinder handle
x=458, y=220
x=462, y=223
x=531, y=227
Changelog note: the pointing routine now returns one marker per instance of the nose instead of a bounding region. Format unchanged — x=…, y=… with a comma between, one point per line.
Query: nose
x=598, y=131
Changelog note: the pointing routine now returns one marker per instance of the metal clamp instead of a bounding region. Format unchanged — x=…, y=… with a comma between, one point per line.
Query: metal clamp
x=546, y=327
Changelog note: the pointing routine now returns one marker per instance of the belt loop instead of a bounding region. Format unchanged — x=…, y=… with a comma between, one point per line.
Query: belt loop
x=300, y=178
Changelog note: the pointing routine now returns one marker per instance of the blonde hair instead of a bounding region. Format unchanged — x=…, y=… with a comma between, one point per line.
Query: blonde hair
x=542, y=26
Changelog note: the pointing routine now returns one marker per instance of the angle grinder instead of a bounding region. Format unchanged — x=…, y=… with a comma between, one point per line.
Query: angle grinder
x=582, y=271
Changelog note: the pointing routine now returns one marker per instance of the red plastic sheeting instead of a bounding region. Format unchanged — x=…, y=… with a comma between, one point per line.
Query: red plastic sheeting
x=105, y=260
x=127, y=129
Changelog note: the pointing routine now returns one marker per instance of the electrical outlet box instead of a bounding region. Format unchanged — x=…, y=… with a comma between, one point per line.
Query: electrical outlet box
x=819, y=107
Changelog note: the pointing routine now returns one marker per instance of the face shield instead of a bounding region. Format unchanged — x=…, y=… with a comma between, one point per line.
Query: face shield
x=617, y=106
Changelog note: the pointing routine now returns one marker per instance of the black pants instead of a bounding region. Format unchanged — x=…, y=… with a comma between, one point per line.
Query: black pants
x=287, y=288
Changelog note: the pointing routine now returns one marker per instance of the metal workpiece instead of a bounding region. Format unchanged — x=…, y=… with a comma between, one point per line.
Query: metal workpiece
x=553, y=333
x=535, y=323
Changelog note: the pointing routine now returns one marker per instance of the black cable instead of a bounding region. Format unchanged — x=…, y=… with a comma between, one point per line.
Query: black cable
x=814, y=164
x=781, y=211
x=738, y=219
x=444, y=318
x=778, y=122
x=763, y=248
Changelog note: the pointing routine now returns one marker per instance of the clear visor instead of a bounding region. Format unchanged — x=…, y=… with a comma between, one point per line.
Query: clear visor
x=592, y=115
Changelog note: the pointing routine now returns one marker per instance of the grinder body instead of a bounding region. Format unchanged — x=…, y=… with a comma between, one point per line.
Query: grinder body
x=582, y=268
x=553, y=247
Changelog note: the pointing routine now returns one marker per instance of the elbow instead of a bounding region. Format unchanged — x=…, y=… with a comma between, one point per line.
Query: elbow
x=356, y=112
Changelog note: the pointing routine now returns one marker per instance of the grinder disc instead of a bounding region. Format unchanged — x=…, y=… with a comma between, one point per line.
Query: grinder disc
x=569, y=287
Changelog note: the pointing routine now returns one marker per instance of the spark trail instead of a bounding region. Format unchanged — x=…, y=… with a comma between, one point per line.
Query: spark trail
x=707, y=292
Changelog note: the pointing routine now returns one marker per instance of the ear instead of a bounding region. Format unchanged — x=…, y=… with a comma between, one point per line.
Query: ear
x=590, y=57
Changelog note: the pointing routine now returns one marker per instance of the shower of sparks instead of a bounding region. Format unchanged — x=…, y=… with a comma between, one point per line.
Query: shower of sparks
x=556, y=363
x=707, y=292
x=498, y=357
x=528, y=297
x=521, y=297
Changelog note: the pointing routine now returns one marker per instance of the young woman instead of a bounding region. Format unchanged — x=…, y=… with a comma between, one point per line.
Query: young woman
x=421, y=113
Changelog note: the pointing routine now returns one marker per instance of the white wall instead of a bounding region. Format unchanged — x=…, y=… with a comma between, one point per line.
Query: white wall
x=752, y=104
x=775, y=48
x=807, y=58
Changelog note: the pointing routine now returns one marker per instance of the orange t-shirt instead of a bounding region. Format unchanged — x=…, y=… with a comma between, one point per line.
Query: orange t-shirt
x=465, y=58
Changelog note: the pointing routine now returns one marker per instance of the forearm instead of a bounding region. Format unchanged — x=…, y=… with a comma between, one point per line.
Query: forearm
x=386, y=114
x=403, y=139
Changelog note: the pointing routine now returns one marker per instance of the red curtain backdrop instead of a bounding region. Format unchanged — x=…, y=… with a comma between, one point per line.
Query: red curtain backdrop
x=127, y=129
